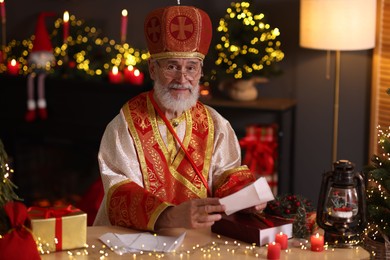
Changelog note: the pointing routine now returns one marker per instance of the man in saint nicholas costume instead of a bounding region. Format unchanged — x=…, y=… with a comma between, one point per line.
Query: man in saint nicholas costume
x=166, y=158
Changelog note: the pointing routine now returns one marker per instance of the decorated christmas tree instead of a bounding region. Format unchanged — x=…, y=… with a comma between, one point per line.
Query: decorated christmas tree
x=247, y=45
x=378, y=191
x=7, y=192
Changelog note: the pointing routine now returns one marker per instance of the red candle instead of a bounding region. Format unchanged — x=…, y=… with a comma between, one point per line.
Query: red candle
x=2, y=11
x=13, y=67
x=124, y=26
x=66, y=26
x=138, y=78
x=273, y=251
x=282, y=239
x=133, y=76
x=317, y=243
x=114, y=76
x=3, y=26
x=128, y=73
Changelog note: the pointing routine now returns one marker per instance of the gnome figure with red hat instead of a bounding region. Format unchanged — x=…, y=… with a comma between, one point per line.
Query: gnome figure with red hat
x=40, y=60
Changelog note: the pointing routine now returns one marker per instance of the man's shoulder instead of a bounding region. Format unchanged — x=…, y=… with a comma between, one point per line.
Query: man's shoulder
x=137, y=98
x=215, y=115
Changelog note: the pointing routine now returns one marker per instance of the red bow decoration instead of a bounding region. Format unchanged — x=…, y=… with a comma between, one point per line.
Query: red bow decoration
x=18, y=242
x=39, y=212
x=260, y=149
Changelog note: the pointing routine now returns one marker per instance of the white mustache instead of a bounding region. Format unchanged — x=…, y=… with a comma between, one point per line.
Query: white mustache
x=178, y=86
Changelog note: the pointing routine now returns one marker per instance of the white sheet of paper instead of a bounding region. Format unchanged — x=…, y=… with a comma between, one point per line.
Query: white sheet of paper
x=126, y=243
x=254, y=194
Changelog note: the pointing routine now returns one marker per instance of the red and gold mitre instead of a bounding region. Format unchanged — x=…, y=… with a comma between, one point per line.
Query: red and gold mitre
x=178, y=32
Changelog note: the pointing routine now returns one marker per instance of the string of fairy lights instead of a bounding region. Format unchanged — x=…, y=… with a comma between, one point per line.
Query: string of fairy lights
x=85, y=51
x=383, y=134
x=218, y=247
x=247, y=44
x=378, y=192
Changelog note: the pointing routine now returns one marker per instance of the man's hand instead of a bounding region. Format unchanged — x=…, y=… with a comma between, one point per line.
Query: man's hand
x=254, y=209
x=197, y=213
x=260, y=207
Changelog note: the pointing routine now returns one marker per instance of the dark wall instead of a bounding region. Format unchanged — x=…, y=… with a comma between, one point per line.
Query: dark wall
x=303, y=78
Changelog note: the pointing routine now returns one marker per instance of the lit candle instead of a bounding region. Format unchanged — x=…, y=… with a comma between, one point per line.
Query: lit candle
x=133, y=76
x=3, y=20
x=317, y=242
x=115, y=76
x=138, y=78
x=124, y=26
x=65, y=26
x=13, y=67
x=273, y=251
x=282, y=240
x=2, y=10
x=128, y=73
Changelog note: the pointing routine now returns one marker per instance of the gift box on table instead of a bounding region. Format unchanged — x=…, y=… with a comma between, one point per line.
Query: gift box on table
x=260, y=152
x=59, y=228
x=251, y=228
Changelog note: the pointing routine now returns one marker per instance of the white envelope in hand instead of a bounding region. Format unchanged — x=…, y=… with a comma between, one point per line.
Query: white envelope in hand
x=254, y=194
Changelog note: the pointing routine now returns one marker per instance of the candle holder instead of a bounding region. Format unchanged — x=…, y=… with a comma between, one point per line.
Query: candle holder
x=341, y=208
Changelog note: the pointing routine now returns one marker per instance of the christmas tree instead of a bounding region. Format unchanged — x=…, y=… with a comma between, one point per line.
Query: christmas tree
x=247, y=46
x=378, y=190
x=7, y=192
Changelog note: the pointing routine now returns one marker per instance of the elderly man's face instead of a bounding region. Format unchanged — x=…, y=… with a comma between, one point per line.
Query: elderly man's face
x=176, y=81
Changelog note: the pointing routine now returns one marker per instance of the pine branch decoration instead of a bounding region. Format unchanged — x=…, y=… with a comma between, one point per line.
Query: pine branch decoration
x=378, y=188
x=293, y=207
x=87, y=54
x=7, y=187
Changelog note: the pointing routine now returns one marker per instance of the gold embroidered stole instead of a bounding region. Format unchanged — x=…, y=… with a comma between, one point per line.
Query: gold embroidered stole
x=174, y=181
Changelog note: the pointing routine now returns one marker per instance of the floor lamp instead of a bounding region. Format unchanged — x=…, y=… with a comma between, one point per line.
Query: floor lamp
x=337, y=25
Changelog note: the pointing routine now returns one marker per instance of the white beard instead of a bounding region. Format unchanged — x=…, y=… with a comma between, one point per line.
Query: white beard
x=176, y=104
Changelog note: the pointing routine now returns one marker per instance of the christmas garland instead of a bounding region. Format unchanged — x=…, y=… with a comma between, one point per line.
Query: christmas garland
x=86, y=54
x=297, y=208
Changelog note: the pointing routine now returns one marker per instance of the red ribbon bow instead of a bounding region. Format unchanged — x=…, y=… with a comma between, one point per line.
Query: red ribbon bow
x=259, y=155
x=39, y=212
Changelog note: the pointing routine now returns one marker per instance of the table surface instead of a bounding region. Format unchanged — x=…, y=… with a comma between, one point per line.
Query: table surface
x=201, y=244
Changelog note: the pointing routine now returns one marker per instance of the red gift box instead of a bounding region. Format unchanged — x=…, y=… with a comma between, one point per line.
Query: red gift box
x=260, y=152
x=249, y=228
x=260, y=146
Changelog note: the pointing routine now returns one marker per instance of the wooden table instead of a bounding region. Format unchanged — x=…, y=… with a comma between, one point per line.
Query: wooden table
x=201, y=244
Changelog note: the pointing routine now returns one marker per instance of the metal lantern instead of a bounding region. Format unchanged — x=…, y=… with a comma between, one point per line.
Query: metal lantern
x=341, y=210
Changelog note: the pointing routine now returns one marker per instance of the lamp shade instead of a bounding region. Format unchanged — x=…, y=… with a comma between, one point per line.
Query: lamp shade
x=338, y=24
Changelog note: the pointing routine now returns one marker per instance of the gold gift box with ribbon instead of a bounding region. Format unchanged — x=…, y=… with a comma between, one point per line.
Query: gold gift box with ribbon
x=58, y=228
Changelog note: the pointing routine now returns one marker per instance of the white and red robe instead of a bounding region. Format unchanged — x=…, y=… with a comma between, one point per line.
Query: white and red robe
x=144, y=170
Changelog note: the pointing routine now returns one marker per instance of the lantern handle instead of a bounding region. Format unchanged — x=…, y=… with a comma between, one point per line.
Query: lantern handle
x=321, y=199
x=362, y=198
